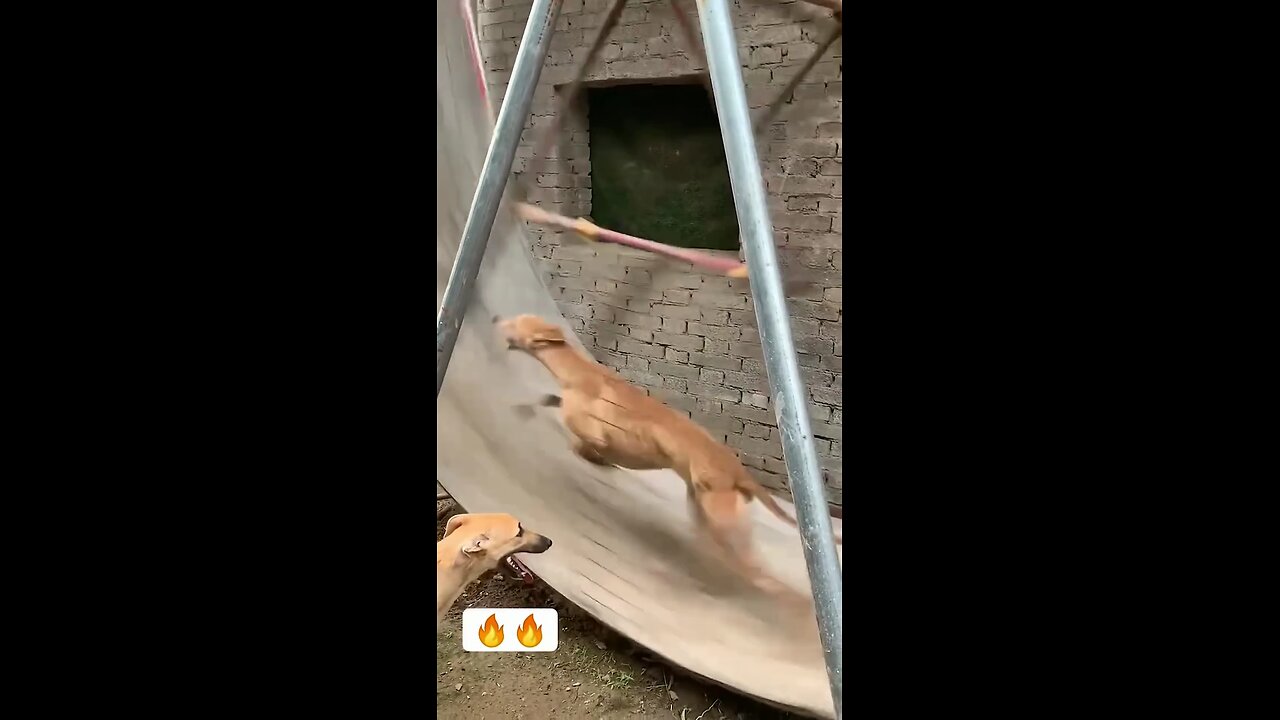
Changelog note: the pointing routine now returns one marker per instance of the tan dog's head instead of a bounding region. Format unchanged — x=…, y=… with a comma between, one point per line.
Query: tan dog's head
x=488, y=538
x=529, y=332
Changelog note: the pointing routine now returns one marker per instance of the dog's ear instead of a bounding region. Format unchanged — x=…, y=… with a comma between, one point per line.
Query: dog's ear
x=547, y=335
x=454, y=523
x=477, y=544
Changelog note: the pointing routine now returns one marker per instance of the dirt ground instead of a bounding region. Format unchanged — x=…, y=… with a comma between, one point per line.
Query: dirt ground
x=595, y=673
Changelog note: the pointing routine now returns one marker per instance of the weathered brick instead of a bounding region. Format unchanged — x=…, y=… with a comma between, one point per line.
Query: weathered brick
x=572, y=252
x=797, y=291
x=764, y=55
x=776, y=464
x=677, y=312
x=677, y=356
x=688, y=372
x=814, y=377
x=715, y=361
x=671, y=325
x=827, y=395
x=714, y=391
x=745, y=381
x=722, y=300
x=756, y=430
x=799, y=221
x=723, y=423
x=633, y=15
x=812, y=148
x=679, y=342
x=675, y=399
x=569, y=268
x=818, y=310
x=828, y=431
x=819, y=413
x=715, y=377
x=830, y=241
x=575, y=282
x=627, y=345
x=715, y=317
x=747, y=350
x=800, y=185
x=802, y=203
x=756, y=400
x=815, y=345
x=714, y=332
x=612, y=359
x=765, y=448
x=640, y=320
x=772, y=35
x=748, y=413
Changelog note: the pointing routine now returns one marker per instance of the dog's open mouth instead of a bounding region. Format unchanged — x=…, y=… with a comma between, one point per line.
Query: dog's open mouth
x=518, y=568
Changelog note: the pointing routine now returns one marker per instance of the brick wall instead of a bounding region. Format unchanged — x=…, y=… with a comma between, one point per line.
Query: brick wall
x=691, y=339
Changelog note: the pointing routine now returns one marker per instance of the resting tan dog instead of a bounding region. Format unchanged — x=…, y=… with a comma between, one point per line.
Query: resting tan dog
x=473, y=545
x=614, y=423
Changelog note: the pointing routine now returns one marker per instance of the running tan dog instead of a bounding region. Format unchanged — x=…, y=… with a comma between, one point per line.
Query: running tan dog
x=614, y=423
x=474, y=544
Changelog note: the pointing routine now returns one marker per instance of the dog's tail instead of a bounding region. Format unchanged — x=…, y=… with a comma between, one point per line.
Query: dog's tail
x=765, y=497
x=524, y=412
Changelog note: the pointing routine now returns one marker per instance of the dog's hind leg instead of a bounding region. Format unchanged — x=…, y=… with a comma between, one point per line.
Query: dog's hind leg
x=725, y=518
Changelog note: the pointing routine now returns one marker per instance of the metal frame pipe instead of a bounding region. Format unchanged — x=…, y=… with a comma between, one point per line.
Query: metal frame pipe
x=789, y=395
x=493, y=179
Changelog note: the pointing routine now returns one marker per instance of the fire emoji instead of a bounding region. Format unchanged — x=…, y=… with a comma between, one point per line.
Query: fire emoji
x=529, y=634
x=491, y=632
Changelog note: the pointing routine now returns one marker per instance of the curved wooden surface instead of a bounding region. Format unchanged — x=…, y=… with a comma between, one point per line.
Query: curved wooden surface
x=625, y=547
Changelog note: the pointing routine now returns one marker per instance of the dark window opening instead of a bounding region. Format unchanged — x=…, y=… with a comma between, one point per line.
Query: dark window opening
x=657, y=166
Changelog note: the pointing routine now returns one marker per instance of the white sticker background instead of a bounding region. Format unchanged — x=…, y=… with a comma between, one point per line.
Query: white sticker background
x=512, y=622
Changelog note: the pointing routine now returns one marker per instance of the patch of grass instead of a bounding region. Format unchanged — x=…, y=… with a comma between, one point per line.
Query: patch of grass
x=617, y=680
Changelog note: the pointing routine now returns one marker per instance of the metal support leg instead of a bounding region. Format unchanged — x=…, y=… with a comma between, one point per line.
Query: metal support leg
x=789, y=395
x=493, y=179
